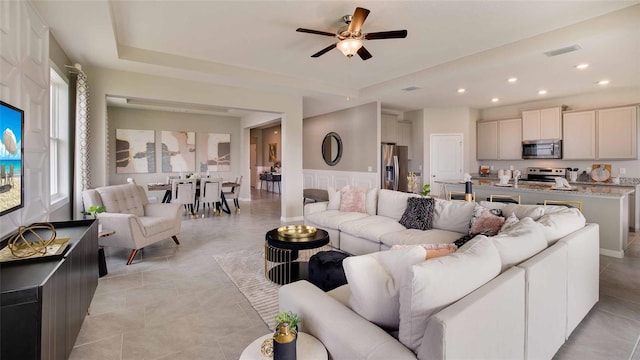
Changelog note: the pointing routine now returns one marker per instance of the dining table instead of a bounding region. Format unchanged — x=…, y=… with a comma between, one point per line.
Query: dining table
x=167, y=192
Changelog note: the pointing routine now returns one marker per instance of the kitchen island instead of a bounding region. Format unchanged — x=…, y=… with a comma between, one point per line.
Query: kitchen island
x=607, y=206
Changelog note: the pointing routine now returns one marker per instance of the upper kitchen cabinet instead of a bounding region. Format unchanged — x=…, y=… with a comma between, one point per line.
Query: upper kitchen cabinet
x=404, y=134
x=543, y=124
x=618, y=133
x=389, y=128
x=499, y=140
x=579, y=141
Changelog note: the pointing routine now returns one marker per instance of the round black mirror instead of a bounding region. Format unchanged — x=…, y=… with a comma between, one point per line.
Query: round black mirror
x=332, y=148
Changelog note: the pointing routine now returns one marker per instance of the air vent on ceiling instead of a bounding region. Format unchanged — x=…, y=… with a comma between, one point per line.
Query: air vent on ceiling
x=564, y=50
x=411, y=88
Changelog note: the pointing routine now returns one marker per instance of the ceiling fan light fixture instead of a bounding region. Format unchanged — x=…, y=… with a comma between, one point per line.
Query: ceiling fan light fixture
x=349, y=47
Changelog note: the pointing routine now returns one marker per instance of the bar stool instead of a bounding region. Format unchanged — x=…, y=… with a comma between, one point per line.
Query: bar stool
x=514, y=199
x=568, y=203
x=459, y=195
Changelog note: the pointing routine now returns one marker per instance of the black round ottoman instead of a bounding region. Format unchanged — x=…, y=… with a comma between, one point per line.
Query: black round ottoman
x=325, y=270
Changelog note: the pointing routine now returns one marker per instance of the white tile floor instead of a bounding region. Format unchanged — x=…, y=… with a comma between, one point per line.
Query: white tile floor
x=174, y=302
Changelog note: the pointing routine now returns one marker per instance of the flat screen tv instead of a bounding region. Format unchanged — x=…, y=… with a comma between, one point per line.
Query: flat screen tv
x=11, y=158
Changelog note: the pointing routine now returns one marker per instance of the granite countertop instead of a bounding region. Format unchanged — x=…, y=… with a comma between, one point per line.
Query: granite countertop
x=587, y=189
x=624, y=181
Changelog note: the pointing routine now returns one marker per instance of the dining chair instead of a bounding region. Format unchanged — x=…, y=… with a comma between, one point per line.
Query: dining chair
x=211, y=194
x=459, y=195
x=234, y=192
x=184, y=192
x=568, y=203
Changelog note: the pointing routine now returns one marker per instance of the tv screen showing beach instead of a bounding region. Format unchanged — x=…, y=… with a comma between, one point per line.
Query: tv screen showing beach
x=11, y=156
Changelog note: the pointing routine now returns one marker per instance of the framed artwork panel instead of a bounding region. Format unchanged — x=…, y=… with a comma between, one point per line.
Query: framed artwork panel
x=135, y=151
x=214, y=152
x=178, y=151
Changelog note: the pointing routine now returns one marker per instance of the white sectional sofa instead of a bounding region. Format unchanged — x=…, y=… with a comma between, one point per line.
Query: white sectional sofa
x=516, y=295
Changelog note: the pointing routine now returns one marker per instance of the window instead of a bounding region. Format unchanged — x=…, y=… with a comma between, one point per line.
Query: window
x=59, y=140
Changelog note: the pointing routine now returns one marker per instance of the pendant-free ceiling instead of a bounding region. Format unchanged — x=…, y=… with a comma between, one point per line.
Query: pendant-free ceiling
x=351, y=37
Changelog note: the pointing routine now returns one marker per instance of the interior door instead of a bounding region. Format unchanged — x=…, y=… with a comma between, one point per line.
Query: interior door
x=253, y=165
x=446, y=159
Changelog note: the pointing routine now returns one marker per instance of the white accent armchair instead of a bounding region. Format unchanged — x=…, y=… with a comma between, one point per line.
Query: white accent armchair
x=137, y=222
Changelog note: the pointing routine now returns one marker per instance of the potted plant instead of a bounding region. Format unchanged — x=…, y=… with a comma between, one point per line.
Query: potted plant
x=95, y=210
x=289, y=317
x=426, y=189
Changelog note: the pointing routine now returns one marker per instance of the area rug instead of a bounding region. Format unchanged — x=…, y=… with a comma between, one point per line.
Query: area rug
x=246, y=269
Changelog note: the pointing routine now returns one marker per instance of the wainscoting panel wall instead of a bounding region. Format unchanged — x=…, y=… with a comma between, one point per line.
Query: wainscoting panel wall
x=322, y=179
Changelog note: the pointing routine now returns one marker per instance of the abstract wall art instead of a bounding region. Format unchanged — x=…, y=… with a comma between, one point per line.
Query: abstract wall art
x=135, y=151
x=178, y=151
x=214, y=152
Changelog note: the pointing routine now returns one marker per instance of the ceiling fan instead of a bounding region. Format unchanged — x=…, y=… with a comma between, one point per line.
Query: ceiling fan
x=351, y=37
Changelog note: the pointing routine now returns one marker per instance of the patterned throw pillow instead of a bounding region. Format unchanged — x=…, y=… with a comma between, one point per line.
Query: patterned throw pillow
x=486, y=221
x=418, y=214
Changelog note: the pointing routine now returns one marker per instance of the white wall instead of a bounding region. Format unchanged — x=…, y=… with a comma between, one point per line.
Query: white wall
x=599, y=99
x=103, y=82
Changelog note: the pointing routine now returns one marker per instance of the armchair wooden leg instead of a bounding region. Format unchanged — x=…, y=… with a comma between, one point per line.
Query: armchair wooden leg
x=175, y=240
x=133, y=255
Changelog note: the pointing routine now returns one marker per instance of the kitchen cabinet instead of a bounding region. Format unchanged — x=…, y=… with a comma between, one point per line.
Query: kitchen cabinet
x=543, y=124
x=499, y=140
x=389, y=128
x=487, y=140
x=618, y=133
x=579, y=130
x=404, y=134
x=44, y=303
x=510, y=139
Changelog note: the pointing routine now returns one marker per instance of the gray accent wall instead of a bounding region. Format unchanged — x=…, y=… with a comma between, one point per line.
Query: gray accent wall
x=122, y=118
x=358, y=129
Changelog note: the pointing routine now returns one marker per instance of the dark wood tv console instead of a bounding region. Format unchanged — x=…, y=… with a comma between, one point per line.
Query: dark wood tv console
x=43, y=304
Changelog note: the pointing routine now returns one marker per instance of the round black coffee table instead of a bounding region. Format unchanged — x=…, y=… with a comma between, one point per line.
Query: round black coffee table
x=286, y=259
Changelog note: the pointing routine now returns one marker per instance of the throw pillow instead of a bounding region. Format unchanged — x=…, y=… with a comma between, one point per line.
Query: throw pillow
x=374, y=280
x=521, y=242
x=486, y=221
x=353, y=200
x=418, y=214
x=334, y=198
x=509, y=223
x=452, y=215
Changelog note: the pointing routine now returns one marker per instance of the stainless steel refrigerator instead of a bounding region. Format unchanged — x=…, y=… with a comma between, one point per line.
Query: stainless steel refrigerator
x=395, y=167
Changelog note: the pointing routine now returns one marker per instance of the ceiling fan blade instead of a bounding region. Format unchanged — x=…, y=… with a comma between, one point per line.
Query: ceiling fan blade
x=395, y=34
x=317, y=32
x=323, y=51
x=358, y=18
x=364, y=53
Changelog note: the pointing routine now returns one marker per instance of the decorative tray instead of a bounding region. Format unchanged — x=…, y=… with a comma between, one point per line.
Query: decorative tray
x=55, y=250
x=297, y=231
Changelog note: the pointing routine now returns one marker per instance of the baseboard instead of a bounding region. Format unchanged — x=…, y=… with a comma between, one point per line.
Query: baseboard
x=612, y=253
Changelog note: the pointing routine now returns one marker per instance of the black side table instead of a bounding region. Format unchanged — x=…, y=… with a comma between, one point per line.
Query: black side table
x=286, y=258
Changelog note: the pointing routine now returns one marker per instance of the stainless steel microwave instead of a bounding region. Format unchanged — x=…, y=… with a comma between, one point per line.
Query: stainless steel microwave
x=542, y=149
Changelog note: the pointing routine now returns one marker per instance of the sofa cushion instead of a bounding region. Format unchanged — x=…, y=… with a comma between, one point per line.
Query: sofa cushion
x=416, y=237
x=353, y=200
x=374, y=280
x=124, y=199
x=453, y=215
x=521, y=211
x=436, y=283
x=561, y=223
x=521, y=242
x=334, y=198
x=392, y=203
x=333, y=218
x=371, y=227
x=371, y=201
x=418, y=214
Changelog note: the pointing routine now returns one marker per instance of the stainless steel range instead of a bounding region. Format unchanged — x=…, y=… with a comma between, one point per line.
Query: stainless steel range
x=544, y=174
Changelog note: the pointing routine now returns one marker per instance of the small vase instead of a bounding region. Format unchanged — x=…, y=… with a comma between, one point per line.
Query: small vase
x=284, y=343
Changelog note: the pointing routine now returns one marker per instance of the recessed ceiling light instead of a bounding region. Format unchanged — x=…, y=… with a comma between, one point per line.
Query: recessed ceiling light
x=582, y=66
x=512, y=80
x=542, y=92
x=461, y=90
x=603, y=82
x=495, y=100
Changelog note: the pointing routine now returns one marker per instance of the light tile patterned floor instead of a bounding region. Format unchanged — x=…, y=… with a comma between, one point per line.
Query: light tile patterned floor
x=176, y=303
